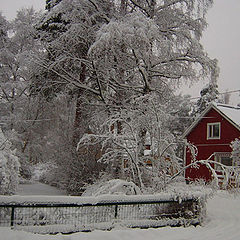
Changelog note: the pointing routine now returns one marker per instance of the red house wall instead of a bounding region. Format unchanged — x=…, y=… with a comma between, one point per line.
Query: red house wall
x=206, y=147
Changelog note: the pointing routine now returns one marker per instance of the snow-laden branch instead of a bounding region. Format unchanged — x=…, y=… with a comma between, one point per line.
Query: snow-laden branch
x=226, y=170
x=70, y=80
x=95, y=4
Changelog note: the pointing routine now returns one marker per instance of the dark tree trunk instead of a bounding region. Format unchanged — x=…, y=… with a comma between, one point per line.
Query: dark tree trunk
x=80, y=126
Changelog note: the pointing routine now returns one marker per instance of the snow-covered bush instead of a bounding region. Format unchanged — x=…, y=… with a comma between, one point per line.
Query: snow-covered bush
x=9, y=167
x=41, y=170
x=49, y=173
x=235, y=145
x=114, y=186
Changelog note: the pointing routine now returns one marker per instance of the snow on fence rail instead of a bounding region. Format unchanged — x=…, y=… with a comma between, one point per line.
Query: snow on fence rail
x=71, y=214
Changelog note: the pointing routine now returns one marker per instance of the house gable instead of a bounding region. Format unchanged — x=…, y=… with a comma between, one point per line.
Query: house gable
x=199, y=134
x=231, y=114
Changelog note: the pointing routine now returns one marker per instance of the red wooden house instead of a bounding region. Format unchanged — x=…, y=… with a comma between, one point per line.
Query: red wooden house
x=212, y=133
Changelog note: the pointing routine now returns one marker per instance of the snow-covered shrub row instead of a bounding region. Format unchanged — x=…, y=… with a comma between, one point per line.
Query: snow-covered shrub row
x=9, y=167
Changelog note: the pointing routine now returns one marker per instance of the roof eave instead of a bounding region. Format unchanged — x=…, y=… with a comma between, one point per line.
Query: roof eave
x=228, y=119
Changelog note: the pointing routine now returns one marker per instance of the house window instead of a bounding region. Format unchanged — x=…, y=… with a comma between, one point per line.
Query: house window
x=213, y=131
x=223, y=158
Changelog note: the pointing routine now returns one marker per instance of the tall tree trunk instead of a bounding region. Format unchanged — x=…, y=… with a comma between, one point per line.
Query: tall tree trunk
x=79, y=126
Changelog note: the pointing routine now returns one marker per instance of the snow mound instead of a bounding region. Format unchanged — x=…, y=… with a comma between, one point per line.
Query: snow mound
x=114, y=186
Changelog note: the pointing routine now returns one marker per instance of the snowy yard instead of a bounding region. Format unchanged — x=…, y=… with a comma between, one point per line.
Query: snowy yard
x=38, y=188
x=222, y=223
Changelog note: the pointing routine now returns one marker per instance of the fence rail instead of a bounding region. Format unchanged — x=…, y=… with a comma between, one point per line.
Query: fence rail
x=68, y=217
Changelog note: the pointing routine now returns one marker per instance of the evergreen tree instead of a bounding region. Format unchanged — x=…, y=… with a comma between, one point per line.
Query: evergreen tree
x=208, y=94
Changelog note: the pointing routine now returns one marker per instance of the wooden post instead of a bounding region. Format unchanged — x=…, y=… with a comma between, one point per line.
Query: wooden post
x=116, y=211
x=12, y=216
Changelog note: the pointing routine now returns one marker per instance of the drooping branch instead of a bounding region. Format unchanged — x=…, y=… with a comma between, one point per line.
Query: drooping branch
x=99, y=10
x=75, y=82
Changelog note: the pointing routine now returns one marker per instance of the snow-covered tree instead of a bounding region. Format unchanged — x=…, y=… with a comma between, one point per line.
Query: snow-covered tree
x=51, y=3
x=208, y=94
x=17, y=108
x=14, y=71
x=124, y=135
x=4, y=25
x=67, y=31
x=92, y=47
x=9, y=167
x=152, y=48
x=180, y=109
x=235, y=145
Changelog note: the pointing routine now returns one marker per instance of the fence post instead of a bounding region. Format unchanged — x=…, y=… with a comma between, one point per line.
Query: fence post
x=116, y=211
x=12, y=216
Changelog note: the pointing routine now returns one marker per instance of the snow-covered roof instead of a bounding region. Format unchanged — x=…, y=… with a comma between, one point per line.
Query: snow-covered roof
x=231, y=113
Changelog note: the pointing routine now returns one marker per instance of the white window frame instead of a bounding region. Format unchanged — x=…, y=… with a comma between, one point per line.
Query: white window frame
x=217, y=158
x=211, y=129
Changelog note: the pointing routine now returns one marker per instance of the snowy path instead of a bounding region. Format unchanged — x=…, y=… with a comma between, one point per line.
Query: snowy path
x=222, y=224
x=38, y=188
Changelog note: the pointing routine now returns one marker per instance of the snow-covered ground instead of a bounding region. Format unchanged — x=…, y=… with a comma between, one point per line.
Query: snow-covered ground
x=38, y=188
x=222, y=223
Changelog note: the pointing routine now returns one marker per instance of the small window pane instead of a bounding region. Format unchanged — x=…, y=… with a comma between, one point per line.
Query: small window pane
x=223, y=158
x=210, y=131
x=215, y=130
x=226, y=161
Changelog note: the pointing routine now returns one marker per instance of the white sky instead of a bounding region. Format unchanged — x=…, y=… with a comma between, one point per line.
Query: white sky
x=221, y=40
